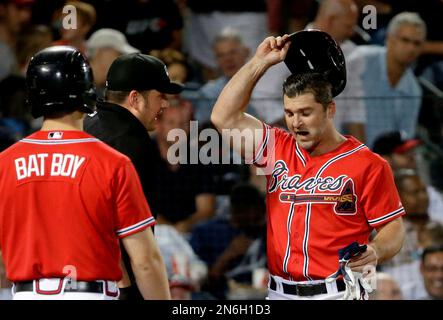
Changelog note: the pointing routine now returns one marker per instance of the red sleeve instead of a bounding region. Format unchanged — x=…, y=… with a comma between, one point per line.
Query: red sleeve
x=380, y=199
x=132, y=209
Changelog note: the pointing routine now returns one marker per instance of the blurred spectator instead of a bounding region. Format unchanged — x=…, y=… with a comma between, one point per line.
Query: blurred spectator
x=414, y=198
x=408, y=275
x=225, y=244
x=397, y=150
x=386, y=10
x=180, y=71
x=381, y=86
x=404, y=267
x=338, y=18
x=401, y=154
x=431, y=234
x=387, y=288
x=178, y=68
x=185, y=270
x=14, y=16
x=13, y=108
x=207, y=18
x=249, y=278
x=430, y=64
x=431, y=60
x=184, y=194
x=153, y=24
x=432, y=271
x=30, y=41
x=103, y=47
x=76, y=36
x=231, y=55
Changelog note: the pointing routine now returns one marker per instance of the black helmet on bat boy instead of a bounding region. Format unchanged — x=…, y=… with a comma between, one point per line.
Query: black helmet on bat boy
x=59, y=78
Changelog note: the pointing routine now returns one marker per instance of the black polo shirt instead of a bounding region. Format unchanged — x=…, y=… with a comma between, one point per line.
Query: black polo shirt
x=120, y=129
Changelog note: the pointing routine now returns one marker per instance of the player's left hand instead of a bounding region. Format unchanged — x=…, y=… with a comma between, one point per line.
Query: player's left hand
x=272, y=50
x=365, y=261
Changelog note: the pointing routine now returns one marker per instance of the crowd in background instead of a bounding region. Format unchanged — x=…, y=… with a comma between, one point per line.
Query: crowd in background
x=212, y=217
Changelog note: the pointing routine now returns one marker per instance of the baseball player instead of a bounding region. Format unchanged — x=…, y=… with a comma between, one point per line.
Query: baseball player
x=324, y=190
x=68, y=198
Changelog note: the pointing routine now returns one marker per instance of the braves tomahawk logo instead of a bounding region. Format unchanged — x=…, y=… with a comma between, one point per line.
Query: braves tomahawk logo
x=345, y=201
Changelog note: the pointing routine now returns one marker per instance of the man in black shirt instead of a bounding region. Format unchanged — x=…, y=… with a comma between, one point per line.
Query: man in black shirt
x=135, y=97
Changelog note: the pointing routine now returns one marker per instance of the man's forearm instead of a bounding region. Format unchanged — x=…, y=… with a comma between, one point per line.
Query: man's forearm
x=152, y=280
x=389, y=240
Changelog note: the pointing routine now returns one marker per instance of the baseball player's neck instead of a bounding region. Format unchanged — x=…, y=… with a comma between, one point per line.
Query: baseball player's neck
x=72, y=121
x=330, y=141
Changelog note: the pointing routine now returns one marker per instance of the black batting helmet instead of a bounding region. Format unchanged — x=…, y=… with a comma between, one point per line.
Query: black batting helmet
x=59, y=78
x=316, y=51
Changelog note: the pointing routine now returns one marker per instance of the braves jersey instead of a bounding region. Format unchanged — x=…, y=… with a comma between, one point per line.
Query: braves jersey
x=318, y=205
x=66, y=199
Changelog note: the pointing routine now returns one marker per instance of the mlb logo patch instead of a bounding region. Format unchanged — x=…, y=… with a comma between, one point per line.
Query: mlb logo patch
x=55, y=135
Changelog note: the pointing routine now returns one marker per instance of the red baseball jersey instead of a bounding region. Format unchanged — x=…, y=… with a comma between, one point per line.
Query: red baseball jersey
x=66, y=199
x=318, y=205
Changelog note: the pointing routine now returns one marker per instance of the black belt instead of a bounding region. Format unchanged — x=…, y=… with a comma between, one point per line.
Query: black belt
x=305, y=289
x=78, y=286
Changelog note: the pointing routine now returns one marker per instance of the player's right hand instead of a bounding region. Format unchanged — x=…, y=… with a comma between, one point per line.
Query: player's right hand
x=362, y=262
x=273, y=50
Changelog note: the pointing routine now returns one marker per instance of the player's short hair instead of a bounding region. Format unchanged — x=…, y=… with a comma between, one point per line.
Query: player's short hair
x=410, y=18
x=315, y=83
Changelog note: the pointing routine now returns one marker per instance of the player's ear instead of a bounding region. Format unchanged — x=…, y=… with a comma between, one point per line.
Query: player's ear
x=330, y=110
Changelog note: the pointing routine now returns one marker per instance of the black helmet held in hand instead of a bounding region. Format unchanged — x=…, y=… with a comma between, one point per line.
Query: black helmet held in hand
x=316, y=51
x=59, y=78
